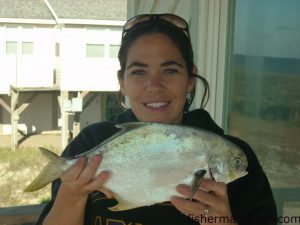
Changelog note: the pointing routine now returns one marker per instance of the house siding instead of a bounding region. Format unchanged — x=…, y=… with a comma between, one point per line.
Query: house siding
x=58, y=61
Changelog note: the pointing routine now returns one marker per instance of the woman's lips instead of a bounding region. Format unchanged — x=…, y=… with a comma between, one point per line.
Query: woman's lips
x=156, y=105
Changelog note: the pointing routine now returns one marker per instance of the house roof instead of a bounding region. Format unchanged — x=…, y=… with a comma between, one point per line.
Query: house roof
x=24, y=9
x=66, y=10
x=90, y=9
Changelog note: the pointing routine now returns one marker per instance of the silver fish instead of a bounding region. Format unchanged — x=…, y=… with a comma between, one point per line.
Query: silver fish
x=148, y=160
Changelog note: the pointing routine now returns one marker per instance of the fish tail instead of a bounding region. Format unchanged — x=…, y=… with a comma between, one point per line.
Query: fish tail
x=53, y=170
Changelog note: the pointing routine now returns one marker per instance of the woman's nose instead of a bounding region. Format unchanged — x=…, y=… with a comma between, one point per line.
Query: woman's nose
x=155, y=84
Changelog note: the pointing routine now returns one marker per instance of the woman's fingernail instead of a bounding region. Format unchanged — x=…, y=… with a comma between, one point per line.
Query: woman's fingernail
x=175, y=200
x=104, y=174
x=97, y=158
x=111, y=195
x=182, y=188
x=80, y=160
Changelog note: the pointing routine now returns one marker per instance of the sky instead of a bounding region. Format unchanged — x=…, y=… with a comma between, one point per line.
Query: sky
x=267, y=28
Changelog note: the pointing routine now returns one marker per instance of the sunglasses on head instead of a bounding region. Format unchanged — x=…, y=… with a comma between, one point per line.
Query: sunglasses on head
x=175, y=20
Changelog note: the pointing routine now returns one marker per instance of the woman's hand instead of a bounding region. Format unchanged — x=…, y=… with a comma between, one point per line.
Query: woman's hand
x=79, y=180
x=209, y=206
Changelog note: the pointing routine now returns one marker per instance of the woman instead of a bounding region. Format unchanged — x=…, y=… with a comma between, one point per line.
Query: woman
x=158, y=76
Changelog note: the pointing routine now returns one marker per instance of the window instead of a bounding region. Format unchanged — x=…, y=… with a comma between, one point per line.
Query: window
x=27, y=48
x=12, y=32
x=263, y=98
x=95, y=50
x=113, y=51
x=11, y=48
x=57, y=49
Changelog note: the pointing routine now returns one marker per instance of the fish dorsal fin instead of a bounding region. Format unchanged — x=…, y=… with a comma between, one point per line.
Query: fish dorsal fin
x=125, y=127
x=131, y=125
x=119, y=133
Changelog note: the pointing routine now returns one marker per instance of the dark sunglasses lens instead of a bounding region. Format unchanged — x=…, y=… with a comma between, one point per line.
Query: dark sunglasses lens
x=135, y=20
x=176, y=20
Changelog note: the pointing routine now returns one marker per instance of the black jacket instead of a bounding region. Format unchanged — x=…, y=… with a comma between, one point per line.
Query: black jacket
x=250, y=197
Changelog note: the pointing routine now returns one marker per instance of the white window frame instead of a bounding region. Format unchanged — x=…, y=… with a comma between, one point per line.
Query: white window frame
x=212, y=43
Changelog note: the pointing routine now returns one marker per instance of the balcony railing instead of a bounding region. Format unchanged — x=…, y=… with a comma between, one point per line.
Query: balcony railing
x=27, y=214
x=20, y=214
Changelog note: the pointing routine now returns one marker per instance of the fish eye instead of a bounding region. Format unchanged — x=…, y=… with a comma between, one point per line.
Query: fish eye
x=237, y=161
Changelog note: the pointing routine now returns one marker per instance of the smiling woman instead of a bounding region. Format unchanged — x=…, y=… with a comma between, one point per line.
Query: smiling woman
x=158, y=76
x=156, y=79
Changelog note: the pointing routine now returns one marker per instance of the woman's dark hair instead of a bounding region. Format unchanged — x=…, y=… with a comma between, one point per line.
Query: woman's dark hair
x=177, y=36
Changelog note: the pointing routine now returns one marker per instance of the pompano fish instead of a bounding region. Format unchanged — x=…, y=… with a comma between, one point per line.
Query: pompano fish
x=148, y=160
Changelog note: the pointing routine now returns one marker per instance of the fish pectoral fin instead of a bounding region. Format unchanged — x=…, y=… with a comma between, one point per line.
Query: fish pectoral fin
x=123, y=205
x=198, y=177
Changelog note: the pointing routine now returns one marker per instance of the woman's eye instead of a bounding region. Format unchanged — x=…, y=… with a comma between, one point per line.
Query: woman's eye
x=170, y=71
x=138, y=72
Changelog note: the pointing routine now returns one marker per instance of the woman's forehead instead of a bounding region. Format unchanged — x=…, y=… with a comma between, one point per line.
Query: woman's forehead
x=154, y=45
x=153, y=37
